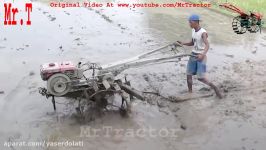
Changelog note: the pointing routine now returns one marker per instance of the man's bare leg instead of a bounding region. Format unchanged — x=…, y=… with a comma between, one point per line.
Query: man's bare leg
x=205, y=81
x=189, y=83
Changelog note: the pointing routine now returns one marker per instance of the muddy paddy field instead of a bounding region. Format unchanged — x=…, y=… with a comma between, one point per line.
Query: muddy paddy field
x=236, y=63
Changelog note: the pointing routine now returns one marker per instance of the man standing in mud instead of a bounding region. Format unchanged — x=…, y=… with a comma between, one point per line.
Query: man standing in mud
x=197, y=62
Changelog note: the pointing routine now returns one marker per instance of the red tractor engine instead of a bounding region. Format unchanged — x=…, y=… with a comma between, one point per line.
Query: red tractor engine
x=66, y=67
x=59, y=76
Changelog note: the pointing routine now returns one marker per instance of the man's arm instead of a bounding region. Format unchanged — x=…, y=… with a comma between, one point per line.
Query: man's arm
x=191, y=43
x=207, y=46
x=206, y=42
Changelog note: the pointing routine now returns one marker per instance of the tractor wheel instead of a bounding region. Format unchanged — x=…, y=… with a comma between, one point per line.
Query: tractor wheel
x=58, y=84
x=236, y=24
x=255, y=25
x=254, y=29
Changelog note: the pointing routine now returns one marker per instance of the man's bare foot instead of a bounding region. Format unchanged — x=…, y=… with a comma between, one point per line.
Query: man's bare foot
x=217, y=92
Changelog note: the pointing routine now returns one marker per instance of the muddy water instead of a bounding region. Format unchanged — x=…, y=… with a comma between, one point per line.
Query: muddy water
x=107, y=35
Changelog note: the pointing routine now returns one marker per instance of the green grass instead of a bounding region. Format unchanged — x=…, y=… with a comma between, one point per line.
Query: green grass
x=246, y=5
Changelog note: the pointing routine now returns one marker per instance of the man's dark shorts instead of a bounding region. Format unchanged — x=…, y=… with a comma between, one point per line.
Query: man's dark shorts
x=196, y=67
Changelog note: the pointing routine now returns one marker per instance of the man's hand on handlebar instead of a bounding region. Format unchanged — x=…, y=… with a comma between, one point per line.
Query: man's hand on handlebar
x=178, y=44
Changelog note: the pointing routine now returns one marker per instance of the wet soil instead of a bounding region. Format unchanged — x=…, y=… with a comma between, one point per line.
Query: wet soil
x=235, y=64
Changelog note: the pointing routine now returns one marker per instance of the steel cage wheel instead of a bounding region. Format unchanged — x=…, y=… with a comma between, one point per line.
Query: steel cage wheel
x=237, y=25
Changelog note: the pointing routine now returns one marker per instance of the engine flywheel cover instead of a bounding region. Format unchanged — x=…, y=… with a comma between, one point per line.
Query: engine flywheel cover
x=58, y=84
